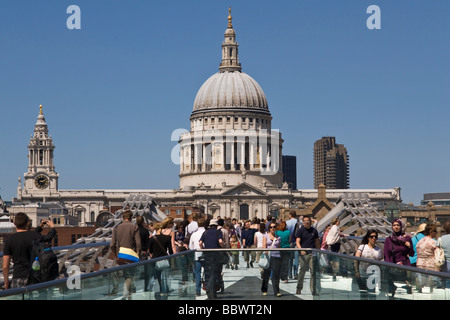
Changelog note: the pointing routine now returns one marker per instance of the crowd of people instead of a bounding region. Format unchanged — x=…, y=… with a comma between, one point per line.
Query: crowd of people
x=405, y=250
x=159, y=239
x=298, y=232
x=259, y=235
x=263, y=236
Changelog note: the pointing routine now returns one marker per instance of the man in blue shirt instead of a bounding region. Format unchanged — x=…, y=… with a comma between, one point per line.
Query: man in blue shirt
x=307, y=237
x=293, y=259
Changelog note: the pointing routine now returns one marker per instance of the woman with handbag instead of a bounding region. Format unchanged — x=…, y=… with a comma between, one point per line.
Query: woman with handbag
x=333, y=241
x=397, y=249
x=368, y=249
x=160, y=245
x=271, y=240
x=425, y=255
x=167, y=228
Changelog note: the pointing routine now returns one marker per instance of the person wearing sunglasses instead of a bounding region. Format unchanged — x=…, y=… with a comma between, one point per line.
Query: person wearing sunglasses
x=271, y=240
x=368, y=249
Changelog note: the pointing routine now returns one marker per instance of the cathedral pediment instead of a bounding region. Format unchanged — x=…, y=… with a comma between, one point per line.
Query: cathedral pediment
x=243, y=189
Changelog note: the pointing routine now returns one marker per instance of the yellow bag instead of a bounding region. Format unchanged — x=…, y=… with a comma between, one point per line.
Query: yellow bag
x=127, y=255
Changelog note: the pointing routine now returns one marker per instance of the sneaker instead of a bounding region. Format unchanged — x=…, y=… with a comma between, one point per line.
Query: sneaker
x=264, y=293
x=278, y=294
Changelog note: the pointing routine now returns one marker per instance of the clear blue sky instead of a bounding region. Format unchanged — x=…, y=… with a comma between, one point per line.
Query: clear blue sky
x=114, y=91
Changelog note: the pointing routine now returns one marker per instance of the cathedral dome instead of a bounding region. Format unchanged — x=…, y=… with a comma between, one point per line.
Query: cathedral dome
x=230, y=90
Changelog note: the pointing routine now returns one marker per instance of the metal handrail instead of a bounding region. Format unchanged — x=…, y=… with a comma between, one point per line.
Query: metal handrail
x=101, y=272
x=56, y=282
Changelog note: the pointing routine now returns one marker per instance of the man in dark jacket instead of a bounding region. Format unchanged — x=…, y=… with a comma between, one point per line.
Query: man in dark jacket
x=145, y=238
x=212, y=239
x=248, y=236
x=126, y=235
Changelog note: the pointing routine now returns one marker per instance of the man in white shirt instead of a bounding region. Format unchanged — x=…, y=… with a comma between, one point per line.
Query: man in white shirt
x=193, y=225
x=194, y=245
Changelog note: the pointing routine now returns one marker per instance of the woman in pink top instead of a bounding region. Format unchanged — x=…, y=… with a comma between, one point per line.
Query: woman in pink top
x=425, y=255
x=425, y=249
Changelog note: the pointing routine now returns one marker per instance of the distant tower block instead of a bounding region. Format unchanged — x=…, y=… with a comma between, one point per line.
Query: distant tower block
x=331, y=164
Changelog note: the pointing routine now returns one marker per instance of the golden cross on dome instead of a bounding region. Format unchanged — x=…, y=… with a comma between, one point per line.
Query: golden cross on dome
x=40, y=109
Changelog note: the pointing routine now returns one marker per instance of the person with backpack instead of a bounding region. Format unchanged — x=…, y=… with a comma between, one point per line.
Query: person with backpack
x=19, y=249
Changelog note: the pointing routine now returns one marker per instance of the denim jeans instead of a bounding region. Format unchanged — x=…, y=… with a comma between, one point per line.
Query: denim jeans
x=198, y=276
x=293, y=262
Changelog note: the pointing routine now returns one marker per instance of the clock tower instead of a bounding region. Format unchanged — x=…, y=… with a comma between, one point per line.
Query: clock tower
x=41, y=180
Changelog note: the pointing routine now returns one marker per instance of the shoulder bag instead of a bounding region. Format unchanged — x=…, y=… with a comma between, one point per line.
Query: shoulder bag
x=439, y=256
x=264, y=261
x=161, y=264
x=127, y=255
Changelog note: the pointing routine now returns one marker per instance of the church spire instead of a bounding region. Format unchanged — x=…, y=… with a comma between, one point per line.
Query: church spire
x=41, y=125
x=230, y=57
x=41, y=173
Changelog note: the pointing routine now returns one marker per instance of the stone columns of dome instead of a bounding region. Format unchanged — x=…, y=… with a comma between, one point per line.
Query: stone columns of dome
x=181, y=159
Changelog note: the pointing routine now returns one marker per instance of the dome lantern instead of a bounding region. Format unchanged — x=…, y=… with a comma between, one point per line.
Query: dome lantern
x=230, y=57
x=230, y=89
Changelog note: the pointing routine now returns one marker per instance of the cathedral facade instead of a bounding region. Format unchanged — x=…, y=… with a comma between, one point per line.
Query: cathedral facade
x=230, y=160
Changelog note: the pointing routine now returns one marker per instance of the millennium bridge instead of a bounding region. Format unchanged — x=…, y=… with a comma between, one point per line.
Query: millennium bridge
x=88, y=271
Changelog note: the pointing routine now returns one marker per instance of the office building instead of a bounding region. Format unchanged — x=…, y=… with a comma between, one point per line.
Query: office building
x=331, y=164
